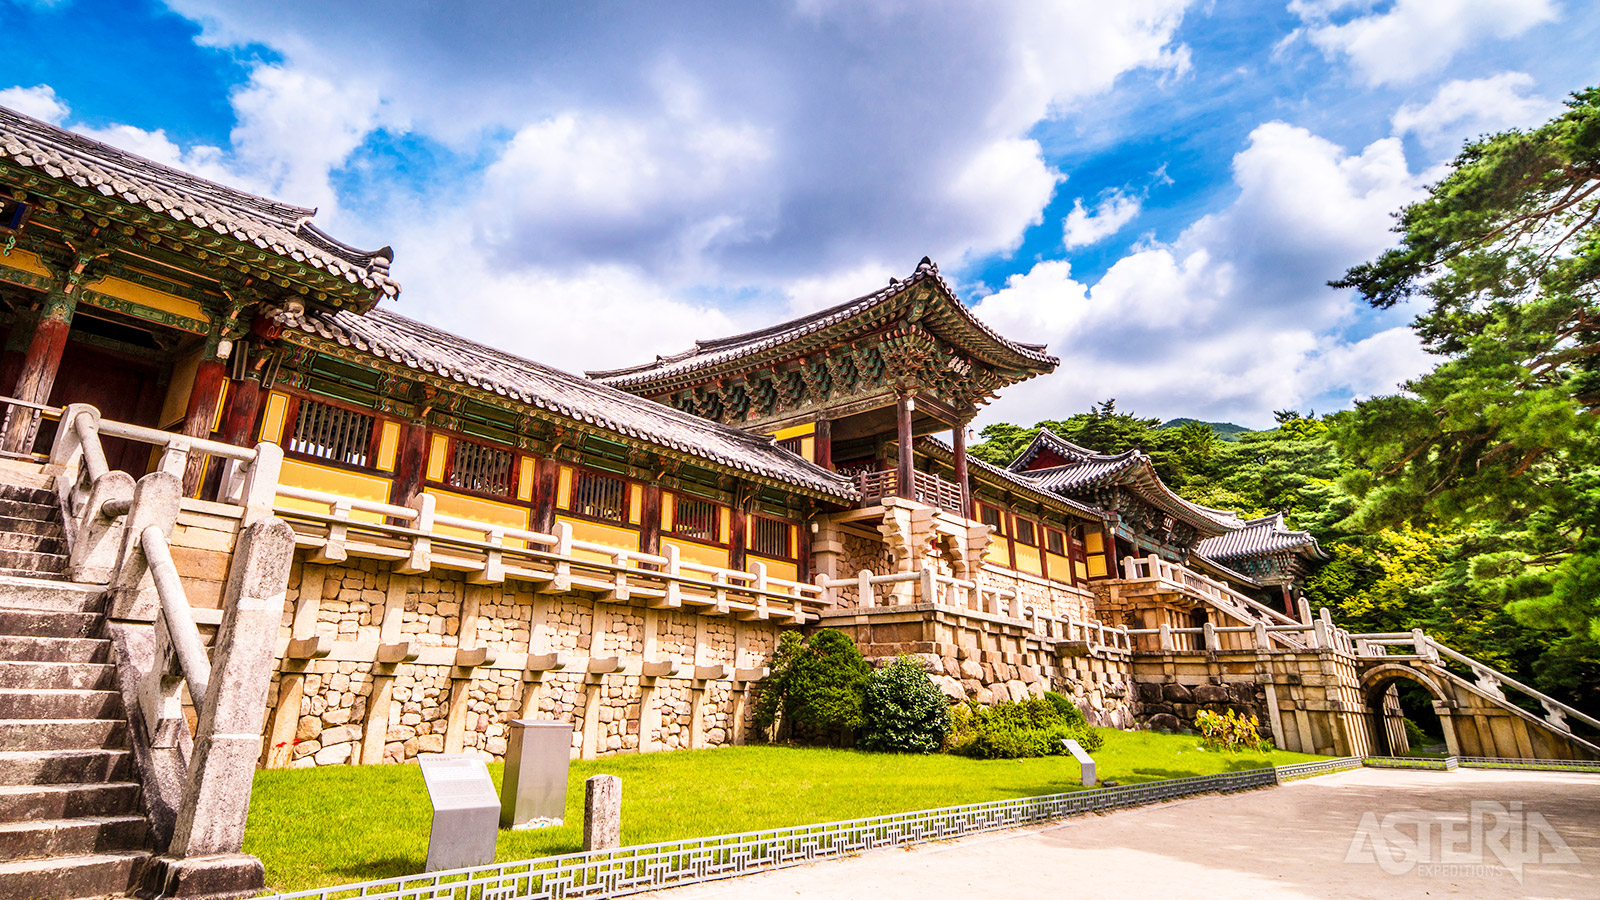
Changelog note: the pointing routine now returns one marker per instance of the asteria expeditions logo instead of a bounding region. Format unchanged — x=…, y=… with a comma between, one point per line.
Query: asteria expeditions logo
x=1491, y=839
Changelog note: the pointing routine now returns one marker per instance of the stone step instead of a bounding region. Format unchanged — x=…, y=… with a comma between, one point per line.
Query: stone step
x=63, y=734
x=70, y=877
x=46, y=511
x=46, y=528
x=48, y=623
x=54, y=649
x=34, y=543
x=44, y=838
x=66, y=596
x=27, y=493
x=68, y=801
x=64, y=766
x=33, y=703
x=6, y=572
x=26, y=473
x=57, y=675
x=28, y=561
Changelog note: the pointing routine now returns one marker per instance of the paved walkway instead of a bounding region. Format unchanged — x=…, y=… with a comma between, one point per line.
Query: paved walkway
x=1351, y=835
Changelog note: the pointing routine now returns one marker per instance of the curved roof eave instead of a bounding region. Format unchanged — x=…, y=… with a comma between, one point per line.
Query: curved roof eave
x=773, y=340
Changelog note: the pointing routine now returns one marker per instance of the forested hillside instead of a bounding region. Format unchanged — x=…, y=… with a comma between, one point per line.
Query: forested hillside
x=1420, y=573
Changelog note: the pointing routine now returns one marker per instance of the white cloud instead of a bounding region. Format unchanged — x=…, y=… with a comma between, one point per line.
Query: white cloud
x=39, y=101
x=1083, y=226
x=1412, y=38
x=1468, y=108
x=294, y=128
x=1231, y=320
x=744, y=153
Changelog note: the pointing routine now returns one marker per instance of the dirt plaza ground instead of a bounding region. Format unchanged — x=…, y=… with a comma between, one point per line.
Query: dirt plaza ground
x=1367, y=833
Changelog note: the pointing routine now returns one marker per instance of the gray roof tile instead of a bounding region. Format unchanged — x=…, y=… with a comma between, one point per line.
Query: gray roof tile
x=421, y=347
x=278, y=227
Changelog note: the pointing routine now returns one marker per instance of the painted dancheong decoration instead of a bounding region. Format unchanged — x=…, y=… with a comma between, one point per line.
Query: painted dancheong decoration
x=233, y=473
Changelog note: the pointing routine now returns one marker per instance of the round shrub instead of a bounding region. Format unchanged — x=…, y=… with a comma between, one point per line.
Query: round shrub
x=1009, y=730
x=814, y=688
x=904, y=711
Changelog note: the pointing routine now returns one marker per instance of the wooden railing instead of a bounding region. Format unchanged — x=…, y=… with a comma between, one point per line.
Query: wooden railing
x=926, y=488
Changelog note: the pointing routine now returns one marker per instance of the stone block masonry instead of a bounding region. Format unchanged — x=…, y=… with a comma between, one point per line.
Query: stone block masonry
x=378, y=666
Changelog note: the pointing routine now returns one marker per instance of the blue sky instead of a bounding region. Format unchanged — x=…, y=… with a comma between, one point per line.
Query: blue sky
x=1159, y=189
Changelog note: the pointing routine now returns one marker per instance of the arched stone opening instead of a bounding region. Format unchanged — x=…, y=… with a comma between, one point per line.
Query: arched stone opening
x=1386, y=721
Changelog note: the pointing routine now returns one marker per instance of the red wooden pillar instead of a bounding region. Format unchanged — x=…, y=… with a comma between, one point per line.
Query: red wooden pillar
x=202, y=411
x=737, y=552
x=650, y=521
x=546, y=482
x=958, y=441
x=410, y=463
x=39, y=366
x=824, y=444
x=905, y=485
x=241, y=412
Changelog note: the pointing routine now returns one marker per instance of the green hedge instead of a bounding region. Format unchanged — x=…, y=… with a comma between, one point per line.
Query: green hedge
x=1012, y=730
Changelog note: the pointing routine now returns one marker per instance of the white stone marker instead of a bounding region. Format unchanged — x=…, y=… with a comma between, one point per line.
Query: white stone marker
x=602, y=813
x=1084, y=761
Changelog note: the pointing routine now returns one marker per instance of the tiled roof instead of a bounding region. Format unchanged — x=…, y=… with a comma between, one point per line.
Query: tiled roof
x=712, y=353
x=1131, y=467
x=1260, y=537
x=426, y=349
x=267, y=224
x=1055, y=443
x=942, y=451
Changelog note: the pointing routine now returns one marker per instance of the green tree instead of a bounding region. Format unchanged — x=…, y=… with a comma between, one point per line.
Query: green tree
x=1500, y=440
x=814, y=687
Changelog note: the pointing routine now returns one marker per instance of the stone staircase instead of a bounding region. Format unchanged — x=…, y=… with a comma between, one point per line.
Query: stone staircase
x=71, y=822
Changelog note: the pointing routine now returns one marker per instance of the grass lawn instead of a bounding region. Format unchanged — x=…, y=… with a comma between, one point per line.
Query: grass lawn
x=316, y=827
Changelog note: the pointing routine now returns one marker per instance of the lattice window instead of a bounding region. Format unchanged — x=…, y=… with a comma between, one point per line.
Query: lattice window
x=770, y=537
x=328, y=432
x=1025, y=533
x=476, y=467
x=795, y=445
x=991, y=517
x=600, y=496
x=1055, y=542
x=696, y=519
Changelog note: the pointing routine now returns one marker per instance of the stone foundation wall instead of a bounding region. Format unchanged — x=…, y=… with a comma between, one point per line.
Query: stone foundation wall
x=328, y=710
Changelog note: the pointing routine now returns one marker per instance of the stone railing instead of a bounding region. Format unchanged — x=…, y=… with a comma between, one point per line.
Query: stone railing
x=926, y=488
x=929, y=586
x=1153, y=569
x=196, y=783
x=424, y=539
x=1484, y=678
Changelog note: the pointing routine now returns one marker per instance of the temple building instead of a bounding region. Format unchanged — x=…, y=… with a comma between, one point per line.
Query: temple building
x=827, y=454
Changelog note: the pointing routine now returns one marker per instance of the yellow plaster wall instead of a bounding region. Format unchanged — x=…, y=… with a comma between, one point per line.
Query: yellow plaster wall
x=600, y=533
x=438, y=449
x=388, y=445
x=525, y=478
x=700, y=553
x=477, y=509
x=779, y=568
x=635, y=503
x=333, y=481
x=1028, y=560
x=1060, y=566
x=178, y=390
x=272, y=421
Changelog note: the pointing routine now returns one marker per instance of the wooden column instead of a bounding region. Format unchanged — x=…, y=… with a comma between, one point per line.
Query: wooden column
x=546, y=481
x=737, y=543
x=410, y=462
x=650, y=520
x=204, y=397
x=39, y=365
x=240, y=413
x=905, y=484
x=958, y=440
x=824, y=444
